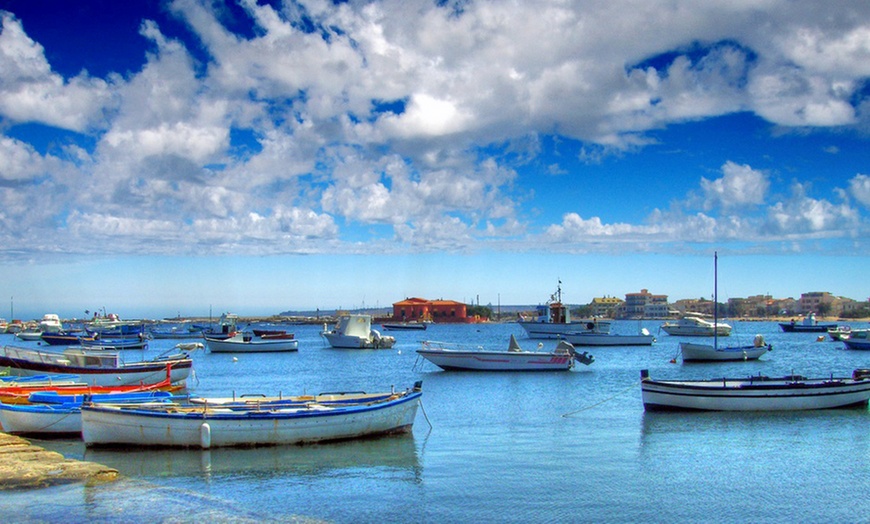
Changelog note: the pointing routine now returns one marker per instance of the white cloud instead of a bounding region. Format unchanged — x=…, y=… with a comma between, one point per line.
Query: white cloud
x=31, y=92
x=859, y=188
x=740, y=185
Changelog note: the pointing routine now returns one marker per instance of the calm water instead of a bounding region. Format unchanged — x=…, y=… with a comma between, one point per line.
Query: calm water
x=511, y=447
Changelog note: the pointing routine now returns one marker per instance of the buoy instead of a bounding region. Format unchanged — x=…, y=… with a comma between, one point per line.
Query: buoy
x=821, y=338
x=235, y=359
x=205, y=435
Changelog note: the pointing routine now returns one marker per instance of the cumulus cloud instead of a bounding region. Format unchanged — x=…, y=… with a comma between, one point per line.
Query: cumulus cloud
x=740, y=185
x=424, y=118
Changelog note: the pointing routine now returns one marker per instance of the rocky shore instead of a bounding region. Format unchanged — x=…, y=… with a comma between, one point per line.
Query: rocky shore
x=24, y=465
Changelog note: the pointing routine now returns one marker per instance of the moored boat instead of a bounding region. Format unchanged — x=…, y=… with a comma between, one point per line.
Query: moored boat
x=694, y=352
x=98, y=367
x=594, y=338
x=456, y=357
x=248, y=342
x=693, y=325
x=62, y=416
x=809, y=324
x=858, y=339
x=207, y=426
x=756, y=393
x=553, y=320
x=355, y=332
x=403, y=326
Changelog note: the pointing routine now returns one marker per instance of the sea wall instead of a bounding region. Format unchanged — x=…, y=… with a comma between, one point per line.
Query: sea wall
x=24, y=465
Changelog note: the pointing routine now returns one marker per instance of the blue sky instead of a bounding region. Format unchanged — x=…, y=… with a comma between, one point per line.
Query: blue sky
x=187, y=156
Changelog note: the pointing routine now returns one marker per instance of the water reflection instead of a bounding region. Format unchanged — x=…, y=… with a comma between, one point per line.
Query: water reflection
x=396, y=453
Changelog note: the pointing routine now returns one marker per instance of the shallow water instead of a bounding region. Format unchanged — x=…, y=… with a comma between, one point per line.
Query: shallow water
x=507, y=447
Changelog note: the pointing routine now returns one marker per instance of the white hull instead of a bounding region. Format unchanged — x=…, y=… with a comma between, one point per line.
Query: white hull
x=705, y=352
x=496, y=360
x=339, y=341
x=696, y=331
x=549, y=330
x=40, y=419
x=207, y=427
x=95, y=368
x=756, y=394
x=237, y=346
x=604, y=339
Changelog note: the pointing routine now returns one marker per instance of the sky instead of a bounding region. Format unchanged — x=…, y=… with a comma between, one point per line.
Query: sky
x=188, y=157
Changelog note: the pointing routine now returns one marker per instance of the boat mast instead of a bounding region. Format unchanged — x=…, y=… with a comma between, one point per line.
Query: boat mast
x=715, y=299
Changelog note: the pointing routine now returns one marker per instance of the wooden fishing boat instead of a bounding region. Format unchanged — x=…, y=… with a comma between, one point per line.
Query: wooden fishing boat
x=206, y=426
x=757, y=393
x=456, y=357
x=115, y=344
x=553, y=320
x=858, y=339
x=97, y=367
x=246, y=342
x=24, y=392
x=62, y=415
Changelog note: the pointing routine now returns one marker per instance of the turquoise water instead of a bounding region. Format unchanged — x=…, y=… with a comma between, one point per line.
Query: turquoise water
x=505, y=447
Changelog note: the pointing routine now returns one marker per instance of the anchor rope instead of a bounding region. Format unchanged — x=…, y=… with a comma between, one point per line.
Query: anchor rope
x=633, y=384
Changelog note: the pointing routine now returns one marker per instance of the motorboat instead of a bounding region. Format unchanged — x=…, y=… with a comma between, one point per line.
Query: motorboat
x=553, y=320
x=858, y=339
x=839, y=333
x=693, y=325
x=355, y=332
x=207, y=425
x=808, y=324
x=248, y=342
x=594, y=338
x=756, y=393
x=456, y=357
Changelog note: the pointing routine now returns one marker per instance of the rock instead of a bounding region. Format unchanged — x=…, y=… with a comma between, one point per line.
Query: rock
x=23, y=465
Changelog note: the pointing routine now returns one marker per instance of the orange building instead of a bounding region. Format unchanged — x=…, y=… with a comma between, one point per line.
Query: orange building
x=422, y=310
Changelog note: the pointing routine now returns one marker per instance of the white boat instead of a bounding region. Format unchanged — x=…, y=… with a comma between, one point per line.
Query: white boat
x=839, y=333
x=247, y=342
x=98, y=367
x=858, y=339
x=756, y=393
x=29, y=334
x=225, y=327
x=593, y=338
x=63, y=416
x=693, y=352
x=50, y=323
x=693, y=325
x=207, y=426
x=355, y=332
x=554, y=320
x=455, y=357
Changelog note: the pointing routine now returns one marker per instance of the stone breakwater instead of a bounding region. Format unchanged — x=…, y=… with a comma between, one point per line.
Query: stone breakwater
x=24, y=465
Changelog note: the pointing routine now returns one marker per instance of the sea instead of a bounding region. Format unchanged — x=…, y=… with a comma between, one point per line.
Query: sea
x=571, y=446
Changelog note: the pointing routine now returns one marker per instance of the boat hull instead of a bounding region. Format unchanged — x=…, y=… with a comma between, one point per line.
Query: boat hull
x=260, y=346
x=602, y=339
x=800, y=328
x=40, y=419
x=25, y=363
x=696, y=331
x=756, y=394
x=707, y=353
x=205, y=427
x=547, y=330
x=496, y=360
